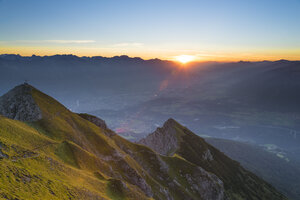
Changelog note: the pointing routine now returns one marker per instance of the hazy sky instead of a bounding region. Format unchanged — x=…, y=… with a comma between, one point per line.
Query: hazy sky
x=210, y=29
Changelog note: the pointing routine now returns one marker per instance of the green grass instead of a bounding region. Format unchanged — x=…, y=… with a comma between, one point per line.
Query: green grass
x=65, y=152
x=43, y=177
x=115, y=189
x=64, y=165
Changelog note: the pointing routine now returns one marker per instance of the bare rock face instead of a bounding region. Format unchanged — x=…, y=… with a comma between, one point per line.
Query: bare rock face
x=19, y=104
x=163, y=140
x=206, y=184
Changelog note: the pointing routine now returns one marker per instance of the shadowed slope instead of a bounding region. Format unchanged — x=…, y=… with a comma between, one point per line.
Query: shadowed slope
x=238, y=182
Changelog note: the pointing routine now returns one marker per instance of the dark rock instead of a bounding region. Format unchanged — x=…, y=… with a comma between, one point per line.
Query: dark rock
x=3, y=155
x=98, y=122
x=95, y=120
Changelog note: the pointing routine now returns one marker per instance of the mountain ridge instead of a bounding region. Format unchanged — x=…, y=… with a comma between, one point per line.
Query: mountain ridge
x=72, y=147
x=238, y=182
x=77, y=154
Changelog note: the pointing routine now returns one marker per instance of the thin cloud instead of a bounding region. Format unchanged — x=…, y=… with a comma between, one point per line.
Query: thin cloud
x=70, y=41
x=133, y=44
x=51, y=41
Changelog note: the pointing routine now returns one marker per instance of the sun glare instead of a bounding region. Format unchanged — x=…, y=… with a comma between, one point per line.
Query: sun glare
x=185, y=58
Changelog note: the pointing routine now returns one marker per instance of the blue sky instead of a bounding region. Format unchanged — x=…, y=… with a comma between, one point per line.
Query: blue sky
x=151, y=28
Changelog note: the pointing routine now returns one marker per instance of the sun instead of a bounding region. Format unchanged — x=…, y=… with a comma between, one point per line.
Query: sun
x=185, y=58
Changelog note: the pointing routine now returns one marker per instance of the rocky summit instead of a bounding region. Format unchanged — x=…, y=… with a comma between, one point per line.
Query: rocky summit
x=19, y=104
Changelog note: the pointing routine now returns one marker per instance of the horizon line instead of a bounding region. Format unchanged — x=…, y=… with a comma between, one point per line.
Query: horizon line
x=154, y=58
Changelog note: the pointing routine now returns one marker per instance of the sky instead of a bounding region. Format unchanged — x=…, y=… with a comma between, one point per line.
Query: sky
x=219, y=30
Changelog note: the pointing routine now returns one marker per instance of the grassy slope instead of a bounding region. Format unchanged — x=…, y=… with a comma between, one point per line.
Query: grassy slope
x=39, y=175
x=64, y=156
x=82, y=143
x=75, y=156
x=56, y=158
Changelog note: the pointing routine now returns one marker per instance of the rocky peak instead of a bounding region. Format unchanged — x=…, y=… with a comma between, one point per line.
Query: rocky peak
x=164, y=140
x=19, y=104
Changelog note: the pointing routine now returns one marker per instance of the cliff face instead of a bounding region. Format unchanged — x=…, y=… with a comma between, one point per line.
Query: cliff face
x=19, y=104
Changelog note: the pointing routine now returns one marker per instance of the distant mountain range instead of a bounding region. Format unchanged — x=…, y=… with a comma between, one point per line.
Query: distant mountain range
x=49, y=152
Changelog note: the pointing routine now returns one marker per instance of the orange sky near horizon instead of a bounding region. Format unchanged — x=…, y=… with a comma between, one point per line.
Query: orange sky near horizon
x=225, y=55
x=225, y=31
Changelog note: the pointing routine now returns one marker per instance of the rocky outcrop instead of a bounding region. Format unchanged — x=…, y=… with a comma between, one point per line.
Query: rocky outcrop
x=95, y=120
x=164, y=140
x=19, y=104
x=98, y=122
x=207, y=155
x=194, y=179
x=207, y=185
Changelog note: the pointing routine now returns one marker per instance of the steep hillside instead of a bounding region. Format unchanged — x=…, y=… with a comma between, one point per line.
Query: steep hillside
x=55, y=157
x=61, y=155
x=35, y=167
x=175, y=140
